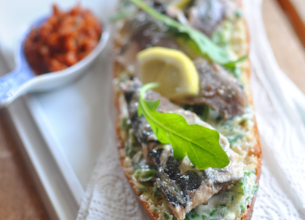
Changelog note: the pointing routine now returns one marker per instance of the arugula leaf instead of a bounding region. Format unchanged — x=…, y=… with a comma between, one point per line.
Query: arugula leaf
x=232, y=65
x=199, y=143
x=207, y=47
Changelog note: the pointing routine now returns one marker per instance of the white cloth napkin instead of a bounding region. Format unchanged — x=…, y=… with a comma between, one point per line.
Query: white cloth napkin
x=279, y=108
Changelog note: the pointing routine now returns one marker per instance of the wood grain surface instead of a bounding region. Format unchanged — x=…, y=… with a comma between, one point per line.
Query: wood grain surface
x=300, y=7
x=19, y=198
x=295, y=11
x=286, y=45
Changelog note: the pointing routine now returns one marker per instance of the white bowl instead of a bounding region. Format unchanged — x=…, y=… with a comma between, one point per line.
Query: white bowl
x=22, y=80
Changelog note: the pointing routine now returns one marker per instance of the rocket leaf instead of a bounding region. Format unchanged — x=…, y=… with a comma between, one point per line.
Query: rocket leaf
x=206, y=46
x=199, y=143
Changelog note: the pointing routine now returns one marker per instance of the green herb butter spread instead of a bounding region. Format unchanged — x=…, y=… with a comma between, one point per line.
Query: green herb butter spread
x=173, y=188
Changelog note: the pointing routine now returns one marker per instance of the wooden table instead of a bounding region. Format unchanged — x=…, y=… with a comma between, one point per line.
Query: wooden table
x=19, y=198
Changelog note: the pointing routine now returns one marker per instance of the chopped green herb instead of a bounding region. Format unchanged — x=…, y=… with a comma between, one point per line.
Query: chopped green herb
x=144, y=176
x=233, y=198
x=203, y=217
x=207, y=47
x=136, y=166
x=156, y=191
x=238, y=13
x=131, y=153
x=249, y=172
x=223, y=35
x=222, y=210
x=206, y=112
x=141, y=190
x=192, y=215
x=156, y=209
x=243, y=208
x=234, y=137
x=132, y=145
x=195, y=141
x=127, y=147
x=242, y=186
x=166, y=216
x=255, y=189
x=213, y=212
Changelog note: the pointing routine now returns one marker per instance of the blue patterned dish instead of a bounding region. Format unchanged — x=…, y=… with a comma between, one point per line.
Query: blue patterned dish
x=23, y=80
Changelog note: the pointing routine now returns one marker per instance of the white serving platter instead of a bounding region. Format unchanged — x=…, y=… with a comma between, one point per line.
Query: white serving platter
x=62, y=135
x=60, y=132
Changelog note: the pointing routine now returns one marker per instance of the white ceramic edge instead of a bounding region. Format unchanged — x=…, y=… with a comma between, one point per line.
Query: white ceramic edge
x=63, y=76
x=52, y=187
x=57, y=152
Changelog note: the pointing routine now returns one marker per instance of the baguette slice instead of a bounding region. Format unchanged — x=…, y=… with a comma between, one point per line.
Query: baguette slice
x=155, y=207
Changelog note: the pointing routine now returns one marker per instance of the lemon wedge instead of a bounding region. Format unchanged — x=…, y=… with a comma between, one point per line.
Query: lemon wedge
x=172, y=69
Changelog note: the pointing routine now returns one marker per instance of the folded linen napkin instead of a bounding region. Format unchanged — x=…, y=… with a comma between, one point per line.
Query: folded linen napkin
x=278, y=104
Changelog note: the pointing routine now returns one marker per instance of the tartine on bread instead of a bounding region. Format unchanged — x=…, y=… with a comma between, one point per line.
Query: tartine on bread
x=175, y=43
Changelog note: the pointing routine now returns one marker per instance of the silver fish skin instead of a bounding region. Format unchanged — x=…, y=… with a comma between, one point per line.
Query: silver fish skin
x=219, y=89
x=183, y=185
x=207, y=15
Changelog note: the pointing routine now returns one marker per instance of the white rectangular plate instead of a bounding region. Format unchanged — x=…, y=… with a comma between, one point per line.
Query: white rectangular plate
x=61, y=131
x=62, y=135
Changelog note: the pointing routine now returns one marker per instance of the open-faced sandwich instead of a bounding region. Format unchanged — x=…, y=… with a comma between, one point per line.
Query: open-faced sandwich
x=188, y=138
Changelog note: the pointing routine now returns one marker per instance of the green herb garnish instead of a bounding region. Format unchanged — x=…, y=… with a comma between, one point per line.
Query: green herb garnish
x=233, y=198
x=206, y=112
x=142, y=190
x=213, y=212
x=156, y=191
x=231, y=65
x=243, y=187
x=199, y=143
x=192, y=215
x=145, y=176
x=207, y=47
x=234, y=137
x=243, y=208
x=166, y=216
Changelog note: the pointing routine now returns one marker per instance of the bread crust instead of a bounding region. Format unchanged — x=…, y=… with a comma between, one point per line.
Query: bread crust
x=255, y=150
